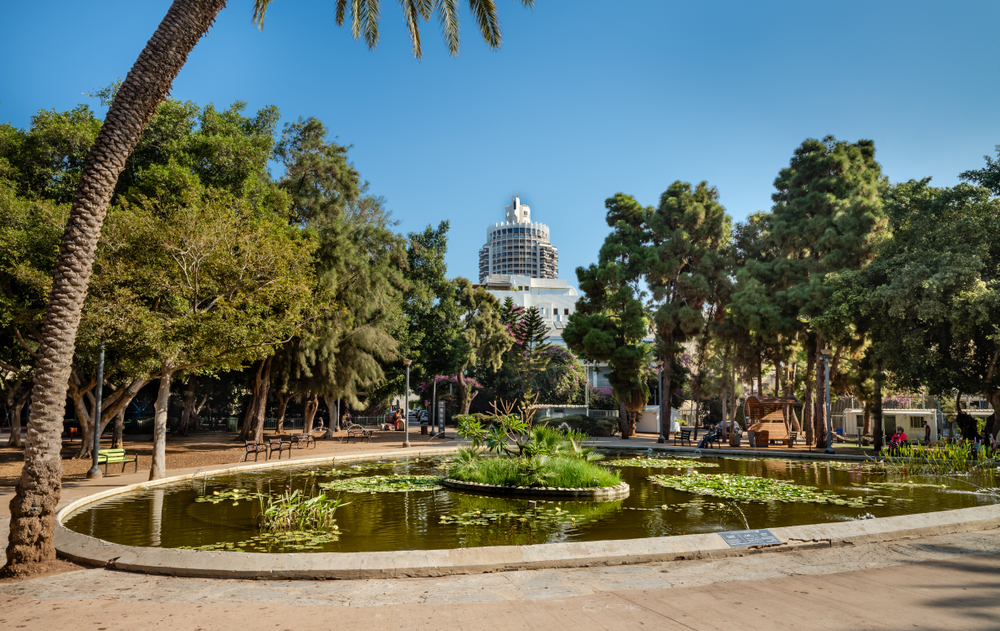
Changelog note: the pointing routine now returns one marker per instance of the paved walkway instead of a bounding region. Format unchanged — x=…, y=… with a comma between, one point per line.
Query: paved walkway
x=942, y=583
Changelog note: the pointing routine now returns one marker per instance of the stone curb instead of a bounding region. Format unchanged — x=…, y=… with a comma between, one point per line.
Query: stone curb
x=603, y=493
x=431, y=563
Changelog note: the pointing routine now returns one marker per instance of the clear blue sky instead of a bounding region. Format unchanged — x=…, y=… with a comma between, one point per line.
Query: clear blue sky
x=584, y=98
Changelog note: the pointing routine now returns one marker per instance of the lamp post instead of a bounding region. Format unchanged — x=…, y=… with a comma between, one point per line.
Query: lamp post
x=829, y=422
x=95, y=471
x=406, y=412
x=659, y=400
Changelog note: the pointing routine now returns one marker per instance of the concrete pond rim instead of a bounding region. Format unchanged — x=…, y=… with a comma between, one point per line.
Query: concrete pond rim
x=92, y=551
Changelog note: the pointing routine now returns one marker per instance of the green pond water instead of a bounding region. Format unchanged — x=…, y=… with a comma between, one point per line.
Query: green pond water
x=171, y=516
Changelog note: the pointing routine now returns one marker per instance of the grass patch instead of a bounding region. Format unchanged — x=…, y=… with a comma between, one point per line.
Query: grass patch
x=539, y=471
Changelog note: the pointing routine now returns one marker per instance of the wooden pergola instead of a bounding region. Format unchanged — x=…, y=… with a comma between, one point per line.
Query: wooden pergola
x=770, y=414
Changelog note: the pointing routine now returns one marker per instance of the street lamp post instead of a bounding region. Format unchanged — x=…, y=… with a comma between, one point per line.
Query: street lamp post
x=95, y=471
x=659, y=399
x=829, y=420
x=406, y=412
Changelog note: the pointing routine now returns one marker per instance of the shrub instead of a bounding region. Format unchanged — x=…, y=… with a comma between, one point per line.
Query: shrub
x=594, y=427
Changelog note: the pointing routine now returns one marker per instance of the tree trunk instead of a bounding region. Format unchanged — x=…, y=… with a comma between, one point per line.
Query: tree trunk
x=158, y=467
x=992, y=424
x=465, y=394
x=623, y=422
x=38, y=490
x=809, y=403
x=866, y=426
x=312, y=405
x=877, y=416
x=665, y=397
x=253, y=421
x=283, y=398
x=760, y=376
x=819, y=413
x=332, y=411
x=16, y=404
x=118, y=438
x=777, y=378
x=188, y=408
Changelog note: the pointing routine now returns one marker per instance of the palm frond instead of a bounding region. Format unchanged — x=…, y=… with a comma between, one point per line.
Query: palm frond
x=425, y=7
x=485, y=12
x=259, y=9
x=412, y=13
x=341, y=9
x=370, y=9
x=448, y=15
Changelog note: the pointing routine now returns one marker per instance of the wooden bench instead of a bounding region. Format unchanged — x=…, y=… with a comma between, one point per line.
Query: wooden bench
x=684, y=435
x=709, y=439
x=278, y=445
x=792, y=437
x=357, y=431
x=253, y=447
x=300, y=439
x=114, y=456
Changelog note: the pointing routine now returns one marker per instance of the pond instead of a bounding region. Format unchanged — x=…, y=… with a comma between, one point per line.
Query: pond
x=222, y=512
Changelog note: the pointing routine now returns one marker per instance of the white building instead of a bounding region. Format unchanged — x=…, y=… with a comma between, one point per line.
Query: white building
x=555, y=299
x=518, y=246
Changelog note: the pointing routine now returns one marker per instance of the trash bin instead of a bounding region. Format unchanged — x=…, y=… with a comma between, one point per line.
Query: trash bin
x=423, y=428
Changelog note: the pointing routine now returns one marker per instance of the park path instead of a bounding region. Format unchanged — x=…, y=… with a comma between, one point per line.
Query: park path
x=943, y=583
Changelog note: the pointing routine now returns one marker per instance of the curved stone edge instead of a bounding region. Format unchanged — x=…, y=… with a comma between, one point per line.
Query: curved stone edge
x=431, y=563
x=603, y=493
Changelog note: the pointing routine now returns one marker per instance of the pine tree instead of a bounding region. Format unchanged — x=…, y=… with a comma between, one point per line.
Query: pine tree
x=689, y=234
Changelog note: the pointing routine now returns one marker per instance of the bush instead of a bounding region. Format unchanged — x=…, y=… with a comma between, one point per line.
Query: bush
x=593, y=427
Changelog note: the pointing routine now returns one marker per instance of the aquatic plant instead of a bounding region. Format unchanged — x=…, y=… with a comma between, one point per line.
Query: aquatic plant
x=752, y=489
x=940, y=459
x=222, y=496
x=293, y=511
x=397, y=483
x=663, y=463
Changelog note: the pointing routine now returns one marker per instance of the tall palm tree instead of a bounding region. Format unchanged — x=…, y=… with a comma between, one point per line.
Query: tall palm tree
x=38, y=491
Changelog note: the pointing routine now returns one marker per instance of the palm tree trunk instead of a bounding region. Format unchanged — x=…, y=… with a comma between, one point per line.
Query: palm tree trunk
x=38, y=491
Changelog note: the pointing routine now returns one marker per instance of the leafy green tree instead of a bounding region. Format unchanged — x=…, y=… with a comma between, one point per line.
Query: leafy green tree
x=206, y=287
x=689, y=234
x=932, y=296
x=827, y=218
x=610, y=321
x=135, y=103
x=482, y=339
x=987, y=177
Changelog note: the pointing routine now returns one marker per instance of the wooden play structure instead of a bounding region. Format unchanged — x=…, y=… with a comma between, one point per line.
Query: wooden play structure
x=769, y=419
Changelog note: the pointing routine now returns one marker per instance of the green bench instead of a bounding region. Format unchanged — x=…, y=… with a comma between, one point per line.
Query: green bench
x=114, y=456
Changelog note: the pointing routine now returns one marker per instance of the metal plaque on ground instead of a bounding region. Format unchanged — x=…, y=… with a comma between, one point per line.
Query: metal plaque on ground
x=744, y=538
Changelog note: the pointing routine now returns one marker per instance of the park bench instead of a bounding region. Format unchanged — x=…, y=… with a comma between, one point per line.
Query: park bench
x=301, y=439
x=278, y=445
x=792, y=437
x=357, y=431
x=253, y=447
x=114, y=456
x=684, y=435
x=709, y=439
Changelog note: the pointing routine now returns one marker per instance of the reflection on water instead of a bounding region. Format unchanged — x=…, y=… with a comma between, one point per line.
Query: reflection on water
x=169, y=516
